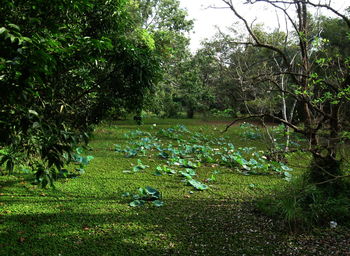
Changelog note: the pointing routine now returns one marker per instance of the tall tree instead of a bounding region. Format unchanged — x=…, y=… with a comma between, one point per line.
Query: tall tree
x=62, y=66
x=320, y=95
x=168, y=25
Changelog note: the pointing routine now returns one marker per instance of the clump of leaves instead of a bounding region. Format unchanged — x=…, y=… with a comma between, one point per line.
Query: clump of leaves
x=160, y=170
x=81, y=160
x=144, y=195
x=189, y=174
x=186, y=163
x=136, y=134
x=175, y=133
x=250, y=131
x=212, y=178
x=197, y=185
x=130, y=152
x=45, y=176
x=136, y=168
x=215, y=151
x=9, y=158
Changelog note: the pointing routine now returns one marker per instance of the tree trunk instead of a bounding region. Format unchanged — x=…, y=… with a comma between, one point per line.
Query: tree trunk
x=190, y=113
x=324, y=171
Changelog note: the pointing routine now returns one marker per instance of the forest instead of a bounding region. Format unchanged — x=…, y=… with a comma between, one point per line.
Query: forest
x=117, y=138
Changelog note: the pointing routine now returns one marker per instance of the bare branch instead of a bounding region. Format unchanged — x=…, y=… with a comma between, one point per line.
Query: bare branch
x=252, y=34
x=331, y=180
x=241, y=119
x=328, y=7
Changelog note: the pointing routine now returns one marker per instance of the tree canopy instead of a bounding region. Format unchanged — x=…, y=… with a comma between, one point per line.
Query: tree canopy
x=63, y=65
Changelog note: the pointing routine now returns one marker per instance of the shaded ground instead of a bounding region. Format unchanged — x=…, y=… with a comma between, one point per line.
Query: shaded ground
x=188, y=227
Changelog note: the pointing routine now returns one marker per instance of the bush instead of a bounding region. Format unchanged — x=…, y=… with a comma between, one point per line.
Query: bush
x=229, y=112
x=301, y=205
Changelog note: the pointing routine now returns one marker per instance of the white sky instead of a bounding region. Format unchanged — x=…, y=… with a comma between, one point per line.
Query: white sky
x=207, y=18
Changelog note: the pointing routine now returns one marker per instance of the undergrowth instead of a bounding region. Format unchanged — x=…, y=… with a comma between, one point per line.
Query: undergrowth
x=302, y=205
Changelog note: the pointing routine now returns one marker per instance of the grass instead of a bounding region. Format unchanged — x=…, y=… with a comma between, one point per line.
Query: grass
x=88, y=215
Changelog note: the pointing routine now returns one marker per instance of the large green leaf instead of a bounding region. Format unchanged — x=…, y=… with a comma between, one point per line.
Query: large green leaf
x=197, y=185
x=158, y=203
x=136, y=203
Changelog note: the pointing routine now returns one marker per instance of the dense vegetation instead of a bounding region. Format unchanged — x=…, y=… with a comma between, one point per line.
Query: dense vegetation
x=70, y=67
x=64, y=66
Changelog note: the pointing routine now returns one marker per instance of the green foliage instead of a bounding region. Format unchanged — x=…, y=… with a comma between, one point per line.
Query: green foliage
x=160, y=170
x=168, y=25
x=190, y=158
x=147, y=194
x=197, y=185
x=137, y=168
x=250, y=131
x=188, y=173
x=60, y=74
x=302, y=205
x=229, y=112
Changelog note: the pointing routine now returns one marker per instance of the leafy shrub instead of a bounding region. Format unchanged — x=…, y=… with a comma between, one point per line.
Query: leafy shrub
x=301, y=205
x=51, y=94
x=229, y=112
x=147, y=194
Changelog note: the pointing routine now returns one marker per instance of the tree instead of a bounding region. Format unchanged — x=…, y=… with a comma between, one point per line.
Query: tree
x=213, y=63
x=320, y=85
x=168, y=25
x=62, y=67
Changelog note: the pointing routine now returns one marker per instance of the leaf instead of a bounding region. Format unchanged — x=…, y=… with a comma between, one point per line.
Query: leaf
x=287, y=176
x=151, y=190
x=197, y=185
x=89, y=158
x=171, y=171
x=186, y=175
x=191, y=172
x=80, y=170
x=63, y=173
x=157, y=173
x=137, y=203
x=136, y=169
x=142, y=191
x=285, y=168
x=126, y=194
x=164, y=155
x=27, y=39
x=79, y=150
x=33, y=112
x=2, y=30
x=13, y=26
x=252, y=186
x=158, y=203
x=246, y=167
